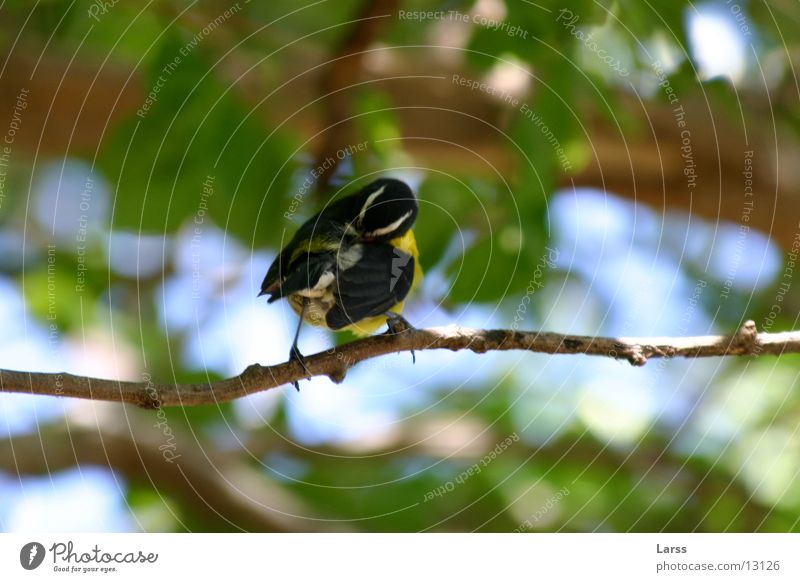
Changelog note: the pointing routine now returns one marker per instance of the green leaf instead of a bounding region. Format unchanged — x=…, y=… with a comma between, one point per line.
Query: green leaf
x=194, y=150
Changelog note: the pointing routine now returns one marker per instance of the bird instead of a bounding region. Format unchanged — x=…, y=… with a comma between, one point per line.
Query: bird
x=351, y=265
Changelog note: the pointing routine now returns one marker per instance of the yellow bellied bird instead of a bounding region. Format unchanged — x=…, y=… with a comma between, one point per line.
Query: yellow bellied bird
x=351, y=266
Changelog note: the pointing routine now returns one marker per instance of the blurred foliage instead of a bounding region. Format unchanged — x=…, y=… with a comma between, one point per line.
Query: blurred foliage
x=482, y=236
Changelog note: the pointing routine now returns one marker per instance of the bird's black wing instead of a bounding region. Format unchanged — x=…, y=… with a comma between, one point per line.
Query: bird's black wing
x=305, y=259
x=379, y=280
x=305, y=273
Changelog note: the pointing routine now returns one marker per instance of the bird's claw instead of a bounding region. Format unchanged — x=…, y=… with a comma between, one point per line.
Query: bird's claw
x=397, y=324
x=296, y=356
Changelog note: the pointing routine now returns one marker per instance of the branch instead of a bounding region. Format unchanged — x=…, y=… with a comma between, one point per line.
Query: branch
x=335, y=362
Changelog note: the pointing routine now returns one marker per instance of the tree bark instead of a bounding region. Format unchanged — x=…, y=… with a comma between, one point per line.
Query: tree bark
x=335, y=362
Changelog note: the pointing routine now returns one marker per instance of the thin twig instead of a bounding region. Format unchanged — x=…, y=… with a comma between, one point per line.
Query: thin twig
x=335, y=362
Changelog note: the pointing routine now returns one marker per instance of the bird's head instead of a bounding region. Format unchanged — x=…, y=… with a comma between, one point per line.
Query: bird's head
x=387, y=210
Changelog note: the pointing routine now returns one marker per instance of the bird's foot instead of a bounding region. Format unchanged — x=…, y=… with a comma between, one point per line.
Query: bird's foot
x=398, y=324
x=296, y=356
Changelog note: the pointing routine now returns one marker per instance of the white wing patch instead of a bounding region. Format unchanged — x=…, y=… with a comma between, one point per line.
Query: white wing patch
x=325, y=280
x=349, y=257
x=320, y=287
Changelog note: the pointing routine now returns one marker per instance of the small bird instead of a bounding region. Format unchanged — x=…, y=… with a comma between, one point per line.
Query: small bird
x=351, y=266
